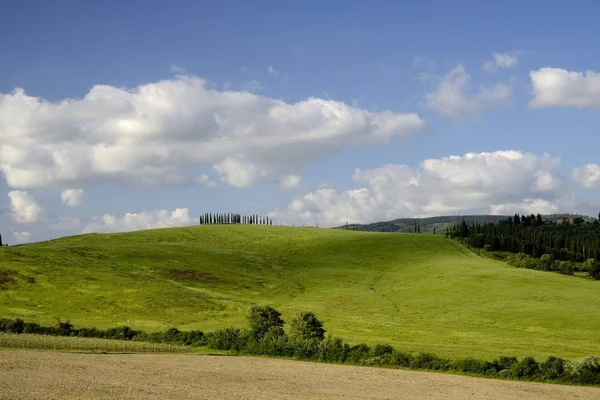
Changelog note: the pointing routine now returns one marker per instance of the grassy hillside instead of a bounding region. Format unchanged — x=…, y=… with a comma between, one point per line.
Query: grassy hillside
x=416, y=292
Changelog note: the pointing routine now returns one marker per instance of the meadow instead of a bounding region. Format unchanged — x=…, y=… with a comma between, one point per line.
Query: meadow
x=417, y=292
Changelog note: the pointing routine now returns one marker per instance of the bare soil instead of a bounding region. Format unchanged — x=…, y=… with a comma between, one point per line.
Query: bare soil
x=53, y=375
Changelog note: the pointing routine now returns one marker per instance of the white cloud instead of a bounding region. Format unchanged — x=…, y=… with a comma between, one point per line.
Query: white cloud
x=587, y=176
x=204, y=179
x=272, y=71
x=495, y=182
x=289, y=181
x=453, y=99
x=139, y=221
x=501, y=60
x=157, y=133
x=238, y=173
x=22, y=237
x=24, y=207
x=556, y=87
x=72, y=197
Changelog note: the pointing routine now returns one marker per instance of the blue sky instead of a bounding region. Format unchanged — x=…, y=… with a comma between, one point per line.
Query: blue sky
x=461, y=70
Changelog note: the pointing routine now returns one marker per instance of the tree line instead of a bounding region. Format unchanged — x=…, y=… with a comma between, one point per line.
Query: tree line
x=305, y=340
x=533, y=238
x=234, y=218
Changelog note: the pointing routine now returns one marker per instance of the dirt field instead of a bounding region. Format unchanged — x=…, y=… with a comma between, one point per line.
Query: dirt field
x=51, y=375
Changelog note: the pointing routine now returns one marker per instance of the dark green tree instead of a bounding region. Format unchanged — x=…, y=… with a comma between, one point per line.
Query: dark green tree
x=306, y=326
x=263, y=320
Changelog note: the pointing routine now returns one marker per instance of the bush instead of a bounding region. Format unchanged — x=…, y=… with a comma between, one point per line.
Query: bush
x=504, y=363
x=552, y=369
x=12, y=326
x=586, y=372
x=306, y=326
x=357, y=354
x=400, y=359
x=472, y=365
x=527, y=368
x=226, y=339
x=333, y=349
x=592, y=266
x=430, y=362
x=306, y=349
x=263, y=319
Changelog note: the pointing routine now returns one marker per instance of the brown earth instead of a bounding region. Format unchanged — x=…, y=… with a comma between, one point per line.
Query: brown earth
x=53, y=375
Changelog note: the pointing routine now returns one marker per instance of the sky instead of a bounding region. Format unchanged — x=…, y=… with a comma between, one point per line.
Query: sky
x=118, y=116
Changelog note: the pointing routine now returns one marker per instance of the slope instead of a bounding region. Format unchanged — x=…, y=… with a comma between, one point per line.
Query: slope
x=416, y=292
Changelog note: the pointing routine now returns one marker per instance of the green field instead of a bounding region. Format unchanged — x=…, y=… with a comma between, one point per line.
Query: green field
x=416, y=292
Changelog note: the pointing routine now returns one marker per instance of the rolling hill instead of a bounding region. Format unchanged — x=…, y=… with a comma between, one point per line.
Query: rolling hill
x=418, y=292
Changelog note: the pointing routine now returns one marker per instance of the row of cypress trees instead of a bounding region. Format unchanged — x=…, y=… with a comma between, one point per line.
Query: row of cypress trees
x=530, y=235
x=234, y=218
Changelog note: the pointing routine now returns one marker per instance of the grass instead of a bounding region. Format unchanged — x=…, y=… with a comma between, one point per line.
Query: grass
x=76, y=344
x=417, y=292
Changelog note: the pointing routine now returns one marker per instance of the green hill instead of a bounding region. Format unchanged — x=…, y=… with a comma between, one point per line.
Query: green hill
x=418, y=292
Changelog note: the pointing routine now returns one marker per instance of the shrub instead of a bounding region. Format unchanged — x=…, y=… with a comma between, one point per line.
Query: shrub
x=357, y=354
x=272, y=344
x=226, y=339
x=526, y=368
x=307, y=326
x=263, y=319
x=305, y=349
x=553, y=368
x=12, y=326
x=65, y=328
x=429, y=361
x=473, y=366
x=504, y=363
x=400, y=359
x=587, y=371
x=333, y=349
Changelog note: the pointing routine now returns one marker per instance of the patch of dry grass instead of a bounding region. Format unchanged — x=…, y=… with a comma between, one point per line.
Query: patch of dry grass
x=62, y=343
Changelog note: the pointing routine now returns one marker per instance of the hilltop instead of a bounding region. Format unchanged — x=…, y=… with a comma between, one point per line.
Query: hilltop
x=418, y=292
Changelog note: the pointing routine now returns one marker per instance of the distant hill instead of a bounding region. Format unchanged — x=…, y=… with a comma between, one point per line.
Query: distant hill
x=439, y=224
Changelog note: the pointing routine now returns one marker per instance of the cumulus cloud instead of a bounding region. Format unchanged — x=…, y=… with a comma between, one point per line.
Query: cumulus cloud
x=157, y=133
x=500, y=61
x=587, y=176
x=22, y=237
x=501, y=182
x=453, y=97
x=24, y=207
x=72, y=197
x=289, y=181
x=556, y=87
x=139, y=221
